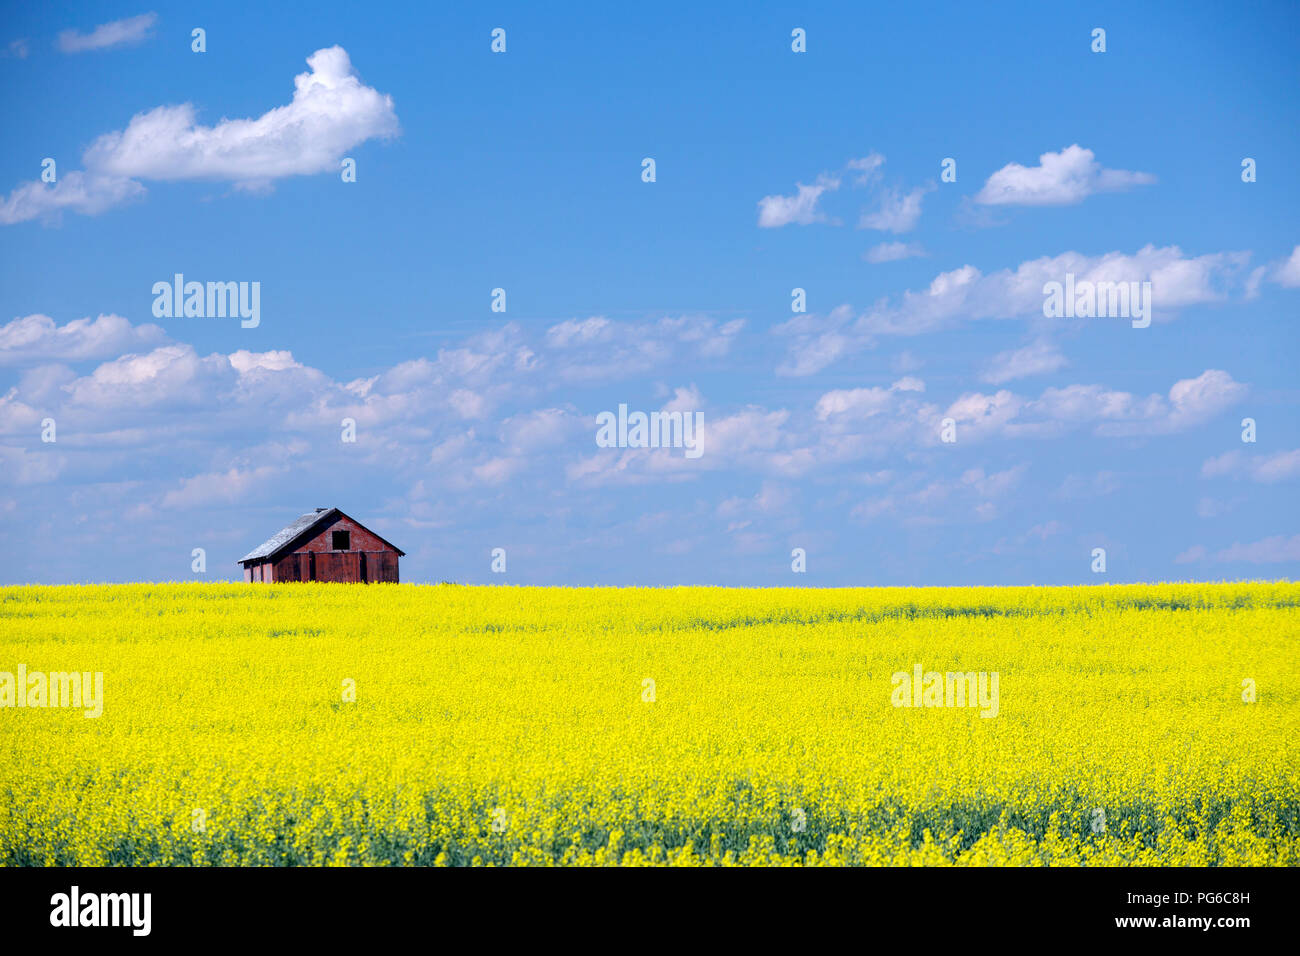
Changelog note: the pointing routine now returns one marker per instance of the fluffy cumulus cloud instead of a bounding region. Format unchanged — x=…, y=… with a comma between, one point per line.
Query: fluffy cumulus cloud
x=464, y=429
x=966, y=294
x=36, y=338
x=127, y=32
x=331, y=112
x=1106, y=412
x=498, y=375
x=470, y=408
x=1059, y=179
x=1189, y=402
x=862, y=402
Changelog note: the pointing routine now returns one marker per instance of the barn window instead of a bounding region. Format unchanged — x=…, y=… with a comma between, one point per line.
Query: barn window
x=340, y=540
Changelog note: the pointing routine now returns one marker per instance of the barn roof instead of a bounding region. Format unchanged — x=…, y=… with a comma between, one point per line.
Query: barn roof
x=302, y=527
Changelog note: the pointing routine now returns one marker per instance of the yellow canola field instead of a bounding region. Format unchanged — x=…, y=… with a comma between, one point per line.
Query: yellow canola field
x=683, y=726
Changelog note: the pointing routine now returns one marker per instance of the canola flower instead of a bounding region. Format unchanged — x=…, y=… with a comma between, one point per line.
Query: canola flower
x=324, y=724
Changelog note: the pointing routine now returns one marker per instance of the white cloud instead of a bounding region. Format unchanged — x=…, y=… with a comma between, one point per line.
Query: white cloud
x=1265, y=469
x=1088, y=403
x=995, y=485
x=19, y=466
x=893, y=251
x=818, y=342
x=966, y=294
x=1268, y=551
x=976, y=495
x=1191, y=401
x=853, y=403
x=244, y=361
x=1059, y=179
x=1274, y=550
x=578, y=331
x=1287, y=273
x=165, y=376
x=1254, y=281
x=1194, y=400
x=86, y=193
x=597, y=349
x=979, y=416
x=126, y=32
x=16, y=48
x=468, y=404
x=38, y=338
x=898, y=212
x=331, y=112
x=867, y=168
x=218, y=431
x=541, y=430
x=497, y=471
x=1110, y=413
x=1036, y=359
x=228, y=487
x=859, y=403
x=686, y=399
x=1279, y=467
x=801, y=208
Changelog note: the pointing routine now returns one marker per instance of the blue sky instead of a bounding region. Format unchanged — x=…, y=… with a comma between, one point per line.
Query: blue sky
x=775, y=170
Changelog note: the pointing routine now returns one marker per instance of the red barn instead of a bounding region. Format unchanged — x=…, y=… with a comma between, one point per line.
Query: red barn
x=323, y=545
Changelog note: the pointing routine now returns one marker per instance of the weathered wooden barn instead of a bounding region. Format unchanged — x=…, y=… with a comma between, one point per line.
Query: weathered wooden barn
x=323, y=545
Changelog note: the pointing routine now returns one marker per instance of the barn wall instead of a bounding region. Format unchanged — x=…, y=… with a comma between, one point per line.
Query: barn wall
x=286, y=569
x=295, y=566
x=361, y=539
x=382, y=566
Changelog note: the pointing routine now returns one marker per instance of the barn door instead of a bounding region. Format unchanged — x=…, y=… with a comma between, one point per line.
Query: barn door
x=338, y=566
